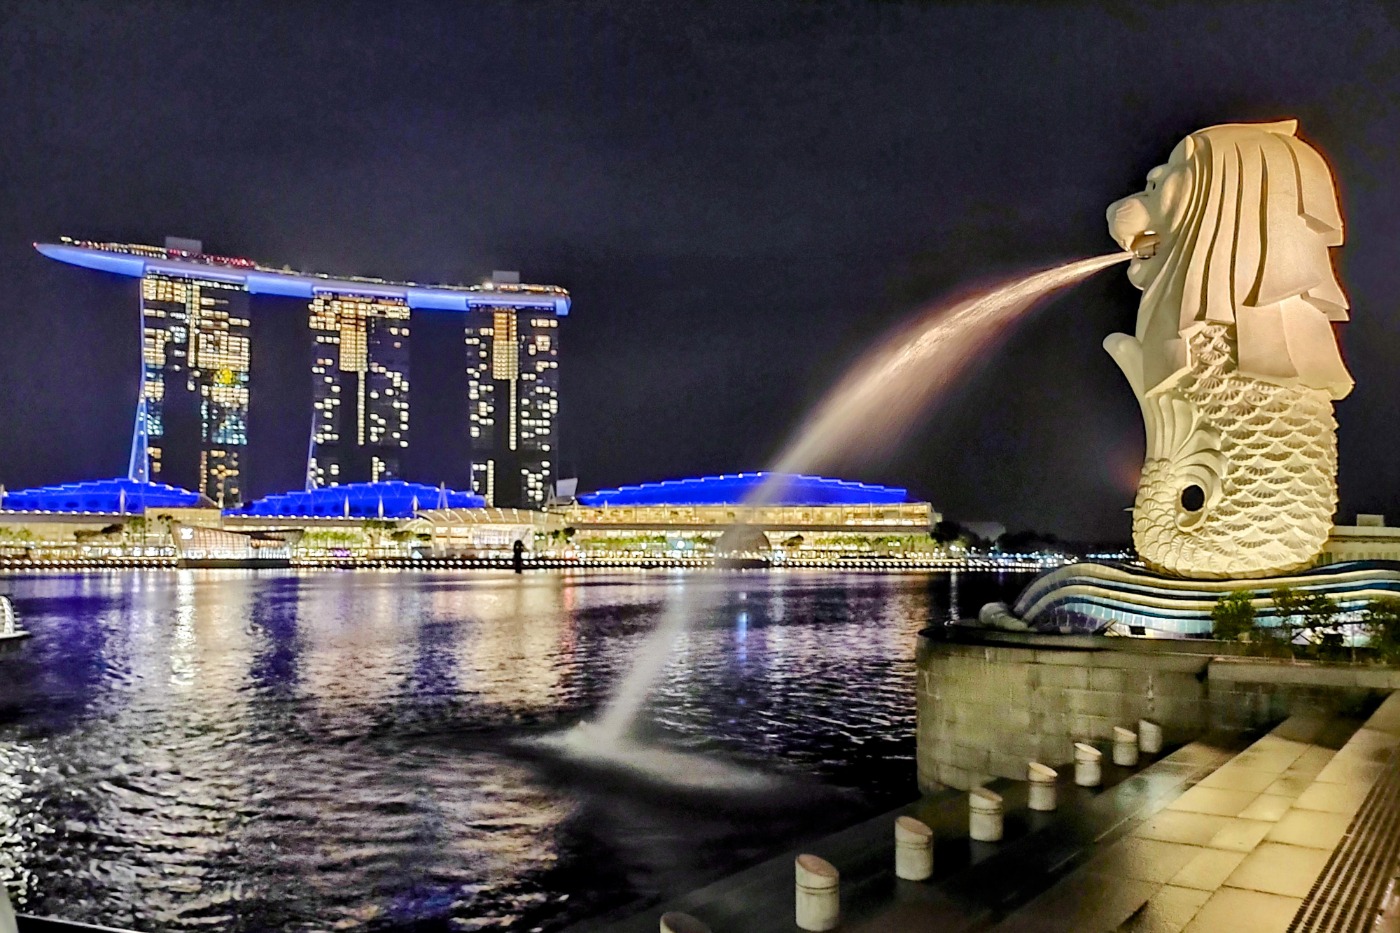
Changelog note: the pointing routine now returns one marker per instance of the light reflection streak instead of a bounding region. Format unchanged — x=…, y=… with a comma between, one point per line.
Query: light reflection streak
x=316, y=770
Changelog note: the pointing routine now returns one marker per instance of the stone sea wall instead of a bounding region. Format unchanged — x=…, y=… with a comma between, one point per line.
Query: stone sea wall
x=988, y=704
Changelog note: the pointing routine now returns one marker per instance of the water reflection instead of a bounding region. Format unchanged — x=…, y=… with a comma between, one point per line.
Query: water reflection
x=337, y=750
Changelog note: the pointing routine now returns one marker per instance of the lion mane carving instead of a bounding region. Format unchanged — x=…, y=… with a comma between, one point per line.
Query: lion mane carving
x=1233, y=360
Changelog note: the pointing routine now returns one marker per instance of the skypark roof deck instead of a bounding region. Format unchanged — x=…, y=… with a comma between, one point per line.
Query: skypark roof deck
x=136, y=260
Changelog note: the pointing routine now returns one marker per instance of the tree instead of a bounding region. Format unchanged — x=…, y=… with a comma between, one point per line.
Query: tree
x=946, y=532
x=1309, y=617
x=1321, y=626
x=1381, y=619
x=1288, y=610
x=1030, y=541
x=1232, y=617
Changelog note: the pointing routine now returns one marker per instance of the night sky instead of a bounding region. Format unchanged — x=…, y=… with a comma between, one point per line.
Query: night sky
x=740, y=196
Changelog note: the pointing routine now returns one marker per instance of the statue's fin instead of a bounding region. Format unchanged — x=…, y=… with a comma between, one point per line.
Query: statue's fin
x=1127, y=353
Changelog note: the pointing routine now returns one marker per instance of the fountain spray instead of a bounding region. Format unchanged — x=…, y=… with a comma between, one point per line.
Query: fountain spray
x=875, y=404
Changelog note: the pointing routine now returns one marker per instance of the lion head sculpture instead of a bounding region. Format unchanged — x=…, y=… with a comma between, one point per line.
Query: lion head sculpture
x=1243, y=216
x=1234, y=360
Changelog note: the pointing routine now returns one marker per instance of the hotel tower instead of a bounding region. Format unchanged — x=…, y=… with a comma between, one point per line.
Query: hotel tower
x=513, y=401
x=359, y=377
x=194, y=386
x=196, y=352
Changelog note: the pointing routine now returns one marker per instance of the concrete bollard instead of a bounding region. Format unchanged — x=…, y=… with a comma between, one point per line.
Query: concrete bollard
x=1149, y=737
x=818, y=894
x=677, y=922
x=1042, y=787
x=984, y=818
x=1125, y=747
x=1088, y=765
x=913, y=849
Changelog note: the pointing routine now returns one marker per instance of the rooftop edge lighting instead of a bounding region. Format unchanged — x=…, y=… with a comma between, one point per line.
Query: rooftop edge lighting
x=135, y=260
x=384, y=499
x=795, y=489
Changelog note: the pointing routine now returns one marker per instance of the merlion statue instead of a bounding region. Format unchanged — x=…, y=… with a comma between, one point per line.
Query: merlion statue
x=1234, y=359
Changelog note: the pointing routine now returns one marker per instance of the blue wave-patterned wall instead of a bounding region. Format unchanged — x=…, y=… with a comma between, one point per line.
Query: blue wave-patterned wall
x=1085, y=598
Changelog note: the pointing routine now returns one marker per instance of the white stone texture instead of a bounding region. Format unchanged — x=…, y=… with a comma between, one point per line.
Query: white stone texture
x=1149, y=737
x=1125, y=747
x=1233, y=359
x=984, y=815
x=677, y=922
x=913, y=849
x=1042, y=794
x=1088, y=765
x=818, y=894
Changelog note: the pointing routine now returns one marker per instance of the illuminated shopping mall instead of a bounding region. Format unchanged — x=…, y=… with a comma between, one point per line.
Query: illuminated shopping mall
x=197, y=348
x=804, y=519
x=801, y=517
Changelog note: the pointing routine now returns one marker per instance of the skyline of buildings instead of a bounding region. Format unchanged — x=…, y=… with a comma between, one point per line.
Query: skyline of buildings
x=197, y=350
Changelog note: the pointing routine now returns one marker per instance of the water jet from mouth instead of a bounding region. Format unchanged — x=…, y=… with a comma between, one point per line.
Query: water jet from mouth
x=870, y=409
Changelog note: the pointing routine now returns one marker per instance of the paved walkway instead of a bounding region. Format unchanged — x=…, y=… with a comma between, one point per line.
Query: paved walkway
x=975, y=884
x=1239, y=851
x=1202, y=841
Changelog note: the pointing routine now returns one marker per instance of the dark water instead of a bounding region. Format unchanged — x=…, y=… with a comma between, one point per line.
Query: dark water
x=343, y=751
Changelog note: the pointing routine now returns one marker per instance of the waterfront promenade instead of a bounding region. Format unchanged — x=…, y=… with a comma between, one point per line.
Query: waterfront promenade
x=1013, y=563
x=1297, y=831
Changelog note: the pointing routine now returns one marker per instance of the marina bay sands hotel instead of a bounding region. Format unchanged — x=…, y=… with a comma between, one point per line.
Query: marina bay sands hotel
x=192, y=415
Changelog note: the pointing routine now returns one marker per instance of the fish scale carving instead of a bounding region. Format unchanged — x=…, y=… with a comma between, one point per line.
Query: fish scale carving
x=1272, y=507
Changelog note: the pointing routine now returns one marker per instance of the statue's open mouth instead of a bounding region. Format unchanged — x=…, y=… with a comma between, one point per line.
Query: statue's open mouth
x=1144, y=245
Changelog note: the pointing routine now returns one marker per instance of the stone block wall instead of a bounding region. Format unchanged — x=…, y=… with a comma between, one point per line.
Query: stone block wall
x=1245, y=693
x=987, y=707
x=984, y=711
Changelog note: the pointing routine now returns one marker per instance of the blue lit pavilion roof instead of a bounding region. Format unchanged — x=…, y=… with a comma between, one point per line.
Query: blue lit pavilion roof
x=111, y=496
x=385, y=499
x=736, y=488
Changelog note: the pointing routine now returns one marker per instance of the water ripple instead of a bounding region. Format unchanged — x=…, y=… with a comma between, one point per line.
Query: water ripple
x=249, y=751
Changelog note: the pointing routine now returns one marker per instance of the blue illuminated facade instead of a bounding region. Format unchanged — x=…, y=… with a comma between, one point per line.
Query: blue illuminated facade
x=388, y=499
x=103, y=496
x=785, y=489
x=138, y=261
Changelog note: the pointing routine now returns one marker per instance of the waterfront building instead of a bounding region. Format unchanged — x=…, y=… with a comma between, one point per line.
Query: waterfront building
x=389, y=499
x=483, y=531
x=393, y=519
x=1369, y=539
x=801, y=518
x=101, y=497
x=98, y=518
x=125, y=519
x=197, y=321
x=513, y=400
x=359, y=372
x=194, y=388
x=205, y=546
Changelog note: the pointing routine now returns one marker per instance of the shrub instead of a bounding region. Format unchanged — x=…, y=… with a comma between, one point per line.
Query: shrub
x=1232, y=617
x=1382, y=622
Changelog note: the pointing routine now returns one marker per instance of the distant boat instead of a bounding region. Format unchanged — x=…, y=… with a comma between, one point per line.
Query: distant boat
x=11, y=635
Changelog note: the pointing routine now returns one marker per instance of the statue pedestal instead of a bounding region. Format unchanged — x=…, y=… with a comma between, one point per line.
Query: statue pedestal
x=1093, y=598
